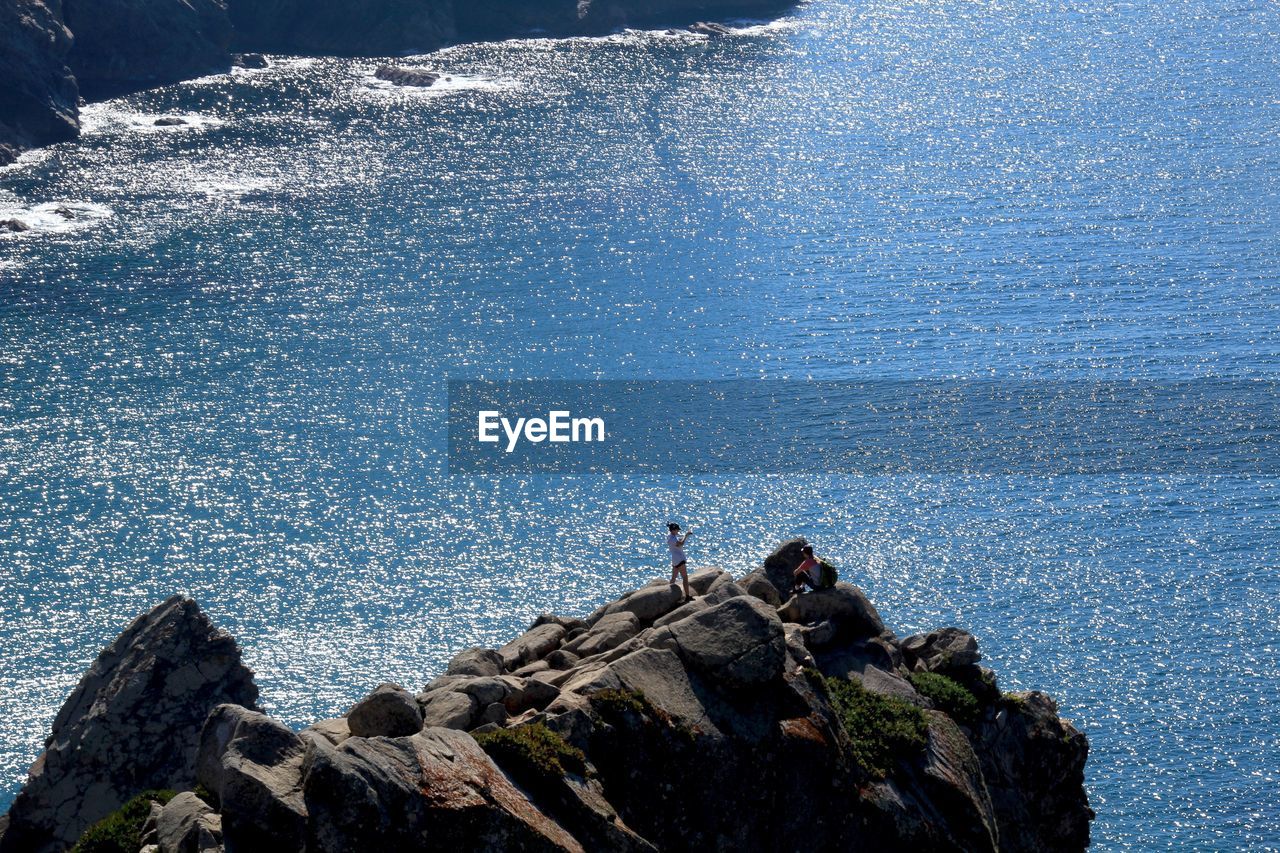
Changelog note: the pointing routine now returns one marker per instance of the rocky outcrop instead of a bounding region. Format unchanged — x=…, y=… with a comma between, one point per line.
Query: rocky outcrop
x=125, y=45
x=401, y=76
x=725, y=722
x=132, y=723
x=38, y=95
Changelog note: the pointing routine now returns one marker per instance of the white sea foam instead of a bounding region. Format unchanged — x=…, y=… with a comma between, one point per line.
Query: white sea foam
x=109, y=118
x=448, y=84
x=52, y=217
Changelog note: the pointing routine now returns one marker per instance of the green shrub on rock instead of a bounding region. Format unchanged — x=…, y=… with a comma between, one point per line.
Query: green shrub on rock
x=533, y=751
x=119, y=831
x=881, y=729
x=948, y=695
x=615, y=703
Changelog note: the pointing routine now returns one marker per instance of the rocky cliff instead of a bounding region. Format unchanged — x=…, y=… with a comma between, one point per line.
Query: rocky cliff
x=38, y=95
x=127, y=45
x=732, y=721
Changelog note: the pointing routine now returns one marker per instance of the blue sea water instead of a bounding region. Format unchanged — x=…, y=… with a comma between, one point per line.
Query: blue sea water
x=226, y=374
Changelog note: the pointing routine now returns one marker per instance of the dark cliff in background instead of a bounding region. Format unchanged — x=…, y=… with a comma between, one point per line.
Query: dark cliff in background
x=731, y=721
x=38, y=95
x=127, y=45
x=54, y=51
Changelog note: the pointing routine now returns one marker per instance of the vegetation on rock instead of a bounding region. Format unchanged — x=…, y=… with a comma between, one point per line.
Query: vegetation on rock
x=119, y=831
x=948, y=695
x=533, y=750
x=881, y=729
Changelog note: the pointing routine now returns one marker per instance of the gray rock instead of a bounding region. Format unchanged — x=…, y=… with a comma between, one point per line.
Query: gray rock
x=476, y=662
x=612, y=630
x=249, y=60
x=486, y=691
x=253, y=765
x=562, y=659
x=533, y=645
x=169, y=121
x=534, y=694
x=723, y=592
x=448, y=709
x=739, y=643
x=758, y=584
x=701, y=581
x=683, y=612
x=181, y=824
x=495, y=714
x=941, y=650
x=389, y=711
x=401, y=76
x=14, y=226
x=335, y=731
x=648, y=603
x=569, y=623
x=706, y=28
x=528, y=670
x=780, y=566
x=368, y=794
x=844, y=605
x=132, y=723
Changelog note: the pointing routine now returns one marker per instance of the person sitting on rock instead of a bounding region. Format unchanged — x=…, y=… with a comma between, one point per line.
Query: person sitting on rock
x=679, y=565
x=809, y=572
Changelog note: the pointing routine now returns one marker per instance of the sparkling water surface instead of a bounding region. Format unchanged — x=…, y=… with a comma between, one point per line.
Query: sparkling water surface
x=225, y=374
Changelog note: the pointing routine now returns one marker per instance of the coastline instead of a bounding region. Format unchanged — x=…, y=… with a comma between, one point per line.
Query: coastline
x=59, y=54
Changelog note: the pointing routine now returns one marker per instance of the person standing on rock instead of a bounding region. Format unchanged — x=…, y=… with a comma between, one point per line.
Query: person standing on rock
x=679, y=565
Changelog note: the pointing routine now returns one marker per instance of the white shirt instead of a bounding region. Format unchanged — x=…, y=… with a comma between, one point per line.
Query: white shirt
x=677, y=553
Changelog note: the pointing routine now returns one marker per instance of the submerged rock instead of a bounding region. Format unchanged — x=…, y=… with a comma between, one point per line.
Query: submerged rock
x=169, y=121
x=132, y=723
x=249, y=60
x=709, y=29
x=13, y=226
x=417, y=77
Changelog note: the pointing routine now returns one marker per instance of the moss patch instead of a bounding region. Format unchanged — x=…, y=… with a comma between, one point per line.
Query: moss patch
x=948, y=695
x=881, y=729
x=616, y=703
x=533, y=751
x=119, y=831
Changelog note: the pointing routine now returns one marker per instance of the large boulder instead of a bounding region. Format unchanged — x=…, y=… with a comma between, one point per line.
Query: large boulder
x=476, y=662
x=611, y=631
x=649, y=602
x=435, y=790
x=132, y=723
x=852, y=616
x=757, y=583
x=253, y=765
x=126, y=45
x=739, y=643
x=532, y=645
x=38, y=96
x=389, y=711
x=448, y=709
x=187, y=824
x=941, y=650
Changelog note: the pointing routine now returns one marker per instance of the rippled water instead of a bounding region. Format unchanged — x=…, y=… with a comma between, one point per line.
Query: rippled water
x=225, y=373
